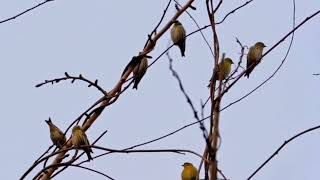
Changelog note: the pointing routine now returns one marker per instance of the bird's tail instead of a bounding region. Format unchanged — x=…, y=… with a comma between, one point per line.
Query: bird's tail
x=182, y=52
x=48, y=121
x=182, y=47
x=249, y=70
x=88, y=151
x=135, y=84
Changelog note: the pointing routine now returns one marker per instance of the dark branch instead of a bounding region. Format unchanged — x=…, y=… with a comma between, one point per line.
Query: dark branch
x=195, y=113
x=282, y=146
x=73, y=78
x=233, y=11
x=95, y=171
x=154, y=31
x=30, y=9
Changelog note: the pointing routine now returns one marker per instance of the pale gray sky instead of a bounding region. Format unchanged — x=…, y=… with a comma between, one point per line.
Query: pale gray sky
x=98, y=38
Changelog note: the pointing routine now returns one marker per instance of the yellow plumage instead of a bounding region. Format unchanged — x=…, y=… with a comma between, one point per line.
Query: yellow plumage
x=79, y=138
x=178, y=36
x=189, y=172
x=139, y=70
x=254, y=54
x=56, y=135
x=224, y=69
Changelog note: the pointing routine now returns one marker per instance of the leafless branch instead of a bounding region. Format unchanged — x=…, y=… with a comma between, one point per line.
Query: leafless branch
x=195, y=113
x=95, y=171
x=73, y=79
x=154, y=31
x=177, y=151
x=23, y=12
x=218, y=6
x=233, y=11
x=281, y=147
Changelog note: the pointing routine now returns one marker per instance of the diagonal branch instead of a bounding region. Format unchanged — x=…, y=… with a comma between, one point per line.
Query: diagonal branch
x=117, y=88
x=30, y=9
x=281, y=147
x=195, y=113
x=90, y=169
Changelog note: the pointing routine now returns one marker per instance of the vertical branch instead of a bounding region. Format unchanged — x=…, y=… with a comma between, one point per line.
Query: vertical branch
x=210, y=153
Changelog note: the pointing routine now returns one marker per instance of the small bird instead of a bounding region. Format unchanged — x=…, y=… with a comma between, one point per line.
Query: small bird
x=189, y=172
x=139, y=70
x=178, y=36
x=56, y=135
x=79, y=138
x=223, y=71
x=254, y=54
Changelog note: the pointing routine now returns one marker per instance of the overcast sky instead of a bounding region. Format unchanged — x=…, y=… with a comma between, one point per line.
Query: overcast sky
x=98, y=38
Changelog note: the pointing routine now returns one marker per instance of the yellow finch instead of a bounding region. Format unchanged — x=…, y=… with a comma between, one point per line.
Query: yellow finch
x=254, y=54
x=189, y=172
x=223, y=70
x=79, y=138
x=139, y=70
x=178, y=36
x=56, y=135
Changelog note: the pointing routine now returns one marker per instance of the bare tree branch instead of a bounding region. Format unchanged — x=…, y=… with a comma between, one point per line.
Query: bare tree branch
x=23, y=12
x=73, y=79
x=281, y=147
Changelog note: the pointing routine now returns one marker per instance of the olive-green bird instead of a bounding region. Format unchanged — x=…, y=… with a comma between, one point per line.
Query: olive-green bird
x=178, y=36
x=56, y=135
x=223, y=71
x=254, y=54
x=189, y=172
x=79, y=138
x=139, y=70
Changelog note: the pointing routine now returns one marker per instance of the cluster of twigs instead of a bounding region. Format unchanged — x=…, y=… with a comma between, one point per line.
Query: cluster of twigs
x=217, y=91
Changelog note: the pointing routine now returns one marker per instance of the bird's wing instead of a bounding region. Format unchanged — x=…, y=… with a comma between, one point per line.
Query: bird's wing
x=250, y=57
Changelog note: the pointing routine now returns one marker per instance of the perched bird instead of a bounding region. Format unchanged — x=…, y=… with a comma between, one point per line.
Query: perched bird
x=178, y=36
x=189, y=172
x=134, y=61
x=254, y=54
x=139, y=70
x=224, y=68
x=56, y=135
x=223, y=71
x=79, y=138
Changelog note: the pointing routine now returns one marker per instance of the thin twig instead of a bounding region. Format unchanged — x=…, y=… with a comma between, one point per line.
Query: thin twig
x=195, y=113
x=73, y=79
x=30, y=9
x=218, y=6
x=95, y=171
x=233, y=11
x=154, y=31
x=279, y=149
